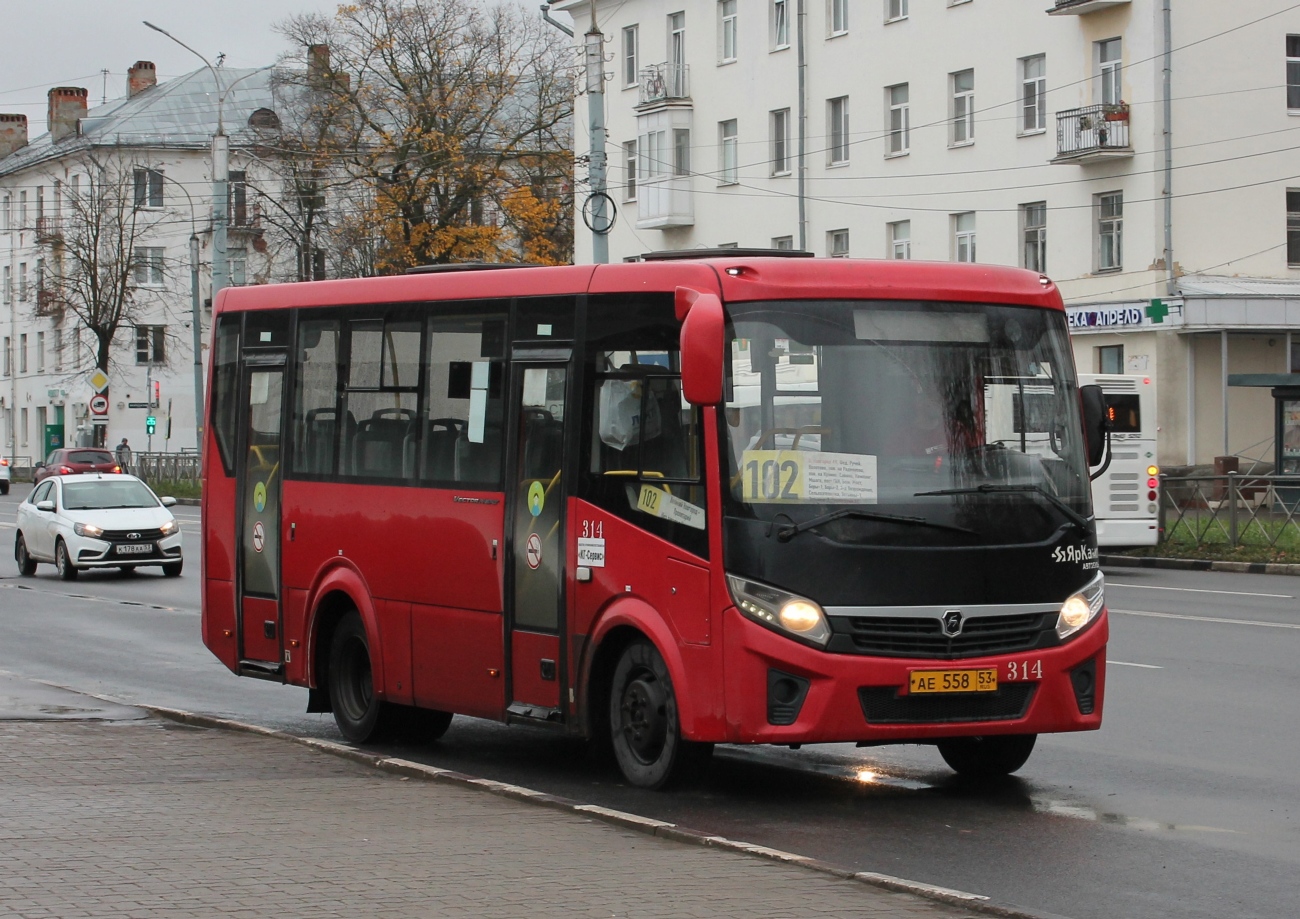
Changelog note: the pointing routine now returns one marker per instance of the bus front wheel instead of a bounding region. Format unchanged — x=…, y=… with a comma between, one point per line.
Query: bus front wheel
x=360, y=715
x=987, y=757
x=644, y=727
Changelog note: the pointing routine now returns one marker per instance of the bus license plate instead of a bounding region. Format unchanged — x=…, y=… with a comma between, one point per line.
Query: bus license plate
x=984, y=679
x=136, y=548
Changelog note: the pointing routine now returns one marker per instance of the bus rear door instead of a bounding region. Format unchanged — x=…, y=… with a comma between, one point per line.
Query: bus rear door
x=536, y=492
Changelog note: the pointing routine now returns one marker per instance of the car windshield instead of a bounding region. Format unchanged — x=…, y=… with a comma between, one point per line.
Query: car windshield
x=89, y=456
x=943, y=423
x=107, y=494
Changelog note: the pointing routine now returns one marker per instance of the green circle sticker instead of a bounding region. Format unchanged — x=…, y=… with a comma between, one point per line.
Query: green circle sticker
x=259, y=496
x=536, y=499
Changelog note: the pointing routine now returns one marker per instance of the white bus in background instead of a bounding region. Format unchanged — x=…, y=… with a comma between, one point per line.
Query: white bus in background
x=1126, y=497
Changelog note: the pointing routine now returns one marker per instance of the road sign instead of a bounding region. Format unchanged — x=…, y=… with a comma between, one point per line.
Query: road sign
x=137, y=405
x=98, y=380
x=99, y=405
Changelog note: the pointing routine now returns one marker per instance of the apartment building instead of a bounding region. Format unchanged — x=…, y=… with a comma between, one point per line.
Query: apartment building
x=1139, y=152
x=140, y=168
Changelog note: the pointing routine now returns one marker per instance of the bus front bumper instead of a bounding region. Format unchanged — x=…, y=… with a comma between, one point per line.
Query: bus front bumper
x=780, y=691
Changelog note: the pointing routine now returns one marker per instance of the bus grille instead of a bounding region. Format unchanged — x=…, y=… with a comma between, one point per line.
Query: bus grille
x=883, y=705
x=889, y=636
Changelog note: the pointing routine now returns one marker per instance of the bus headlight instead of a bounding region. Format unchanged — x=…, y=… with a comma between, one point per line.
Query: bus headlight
x=786, y=612
x=1081, y=608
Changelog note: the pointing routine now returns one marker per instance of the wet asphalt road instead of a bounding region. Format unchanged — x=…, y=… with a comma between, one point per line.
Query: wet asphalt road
x=1185, y=804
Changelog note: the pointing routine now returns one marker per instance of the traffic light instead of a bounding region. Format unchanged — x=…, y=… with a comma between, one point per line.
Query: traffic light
x=157, y=394
x=150, y=424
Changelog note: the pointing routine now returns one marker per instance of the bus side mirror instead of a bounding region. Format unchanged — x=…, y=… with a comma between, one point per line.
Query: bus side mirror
x=1096, y=422
x=703, y=341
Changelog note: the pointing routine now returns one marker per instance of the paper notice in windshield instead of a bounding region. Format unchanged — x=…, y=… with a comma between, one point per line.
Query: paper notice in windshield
x=784, y=476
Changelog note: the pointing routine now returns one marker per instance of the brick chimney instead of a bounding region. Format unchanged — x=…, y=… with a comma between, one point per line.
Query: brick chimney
x=318, y=64
x=13, y=134
x=67, y=107
x=141, y=76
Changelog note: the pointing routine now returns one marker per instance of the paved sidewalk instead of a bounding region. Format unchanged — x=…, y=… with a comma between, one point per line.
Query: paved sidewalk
x=155, y=818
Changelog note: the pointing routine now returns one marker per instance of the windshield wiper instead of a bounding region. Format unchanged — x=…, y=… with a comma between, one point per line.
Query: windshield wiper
x=990, y=489
x=791, y=530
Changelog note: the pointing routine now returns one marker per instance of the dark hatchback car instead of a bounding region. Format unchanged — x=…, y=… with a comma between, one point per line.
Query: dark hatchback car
x=74, y=460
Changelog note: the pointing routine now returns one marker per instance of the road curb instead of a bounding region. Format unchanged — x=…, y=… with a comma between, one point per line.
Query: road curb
x=662, y=829
x=1199, y=564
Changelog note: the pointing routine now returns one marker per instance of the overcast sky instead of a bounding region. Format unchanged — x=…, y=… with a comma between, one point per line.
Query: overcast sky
x=69, y=42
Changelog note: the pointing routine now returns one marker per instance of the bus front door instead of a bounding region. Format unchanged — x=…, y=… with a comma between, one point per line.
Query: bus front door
x=535, y=547
x=258, y=519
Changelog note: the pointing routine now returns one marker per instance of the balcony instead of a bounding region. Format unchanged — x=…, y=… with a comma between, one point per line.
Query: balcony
x=1092, y=134
x=1080, y=7
x=49, y=229
x=49, y=304
x=666, y=82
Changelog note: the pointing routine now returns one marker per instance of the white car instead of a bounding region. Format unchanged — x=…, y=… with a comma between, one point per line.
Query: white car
x=96, y=520
x=4, y=476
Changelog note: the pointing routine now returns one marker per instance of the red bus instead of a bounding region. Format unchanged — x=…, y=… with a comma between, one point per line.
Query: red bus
x=737, y=498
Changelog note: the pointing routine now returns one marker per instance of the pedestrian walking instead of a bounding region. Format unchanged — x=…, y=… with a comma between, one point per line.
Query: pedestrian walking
x=124, y=454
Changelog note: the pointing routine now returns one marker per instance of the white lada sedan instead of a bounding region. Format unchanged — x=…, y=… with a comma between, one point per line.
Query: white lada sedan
x=96, y=521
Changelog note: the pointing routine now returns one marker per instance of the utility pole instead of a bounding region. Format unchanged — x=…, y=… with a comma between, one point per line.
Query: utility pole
x=196, y=327
x=595, y=60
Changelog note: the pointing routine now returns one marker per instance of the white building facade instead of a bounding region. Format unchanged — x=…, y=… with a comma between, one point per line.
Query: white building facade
x=1133, y=150
x=158, y=136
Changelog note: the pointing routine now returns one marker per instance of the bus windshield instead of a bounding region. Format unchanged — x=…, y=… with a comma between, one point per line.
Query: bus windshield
x=904, y=423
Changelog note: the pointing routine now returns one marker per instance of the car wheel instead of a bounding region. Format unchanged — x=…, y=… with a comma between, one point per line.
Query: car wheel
x=26, y=564
x=173, y=569
x=62, y=563
x=987, y=757
x=644, y=727
x=360, y=715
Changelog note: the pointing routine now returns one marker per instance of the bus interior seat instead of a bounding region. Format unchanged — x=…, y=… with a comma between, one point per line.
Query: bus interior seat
x=481, y=462
x=378, y=445
x=440, y=439
x=317, y=440
x=543, y=444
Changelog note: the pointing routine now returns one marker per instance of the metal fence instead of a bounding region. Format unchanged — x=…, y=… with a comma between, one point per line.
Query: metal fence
x=1231, y=510
x=165, y=467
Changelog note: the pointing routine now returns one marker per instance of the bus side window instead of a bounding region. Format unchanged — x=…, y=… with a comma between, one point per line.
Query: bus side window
x=315, y=414
x=464, y=412
x=380, y=429
x=225, y=386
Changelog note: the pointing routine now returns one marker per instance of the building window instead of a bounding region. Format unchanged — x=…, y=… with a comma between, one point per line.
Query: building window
x=40, y=352
x=1292, y=75
x=237, y=199
x=630, y=38
x=780, y=26
x=963, y=107
x=8, y=356
x=149, y=344
x=677, y=54
x=900, y=120
x=58, y=350
x=900, y=239
x=148, y=187
x=22, y=413
x=149, y=266
x=8, y=285
x=40, y=277
x=1292, y=228
x=1110, y=359
x=838, y=116
x=653, y=154
x=1109, y=71
x=7, y=213
x=783, y=243
x=22, y=353
x=780, y=120
x=895, y=9
x=726, y=31
x=1033, y=223
x=22, y=281
x=839, y=16
x=1110, y=231
x=963, y=237
x=1033, y=93
x=22, y=210
x=837, y=243
x=728, y=164
x=681, y=151
x=40, y=201
x=629, y=170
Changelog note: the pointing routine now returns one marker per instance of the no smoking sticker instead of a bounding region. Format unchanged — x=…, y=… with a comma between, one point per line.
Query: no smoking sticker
x=533, y=553
x=259, y=536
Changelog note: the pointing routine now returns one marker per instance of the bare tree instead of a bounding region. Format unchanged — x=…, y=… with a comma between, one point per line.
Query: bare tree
x=453, y=120
x=99, y=269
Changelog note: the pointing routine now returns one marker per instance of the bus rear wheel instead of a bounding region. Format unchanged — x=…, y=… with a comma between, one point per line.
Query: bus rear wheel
x=361, y=716
x=987, y=757
x=644, y=728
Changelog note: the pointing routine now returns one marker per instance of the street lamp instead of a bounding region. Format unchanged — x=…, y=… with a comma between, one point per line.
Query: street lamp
x=196, y=318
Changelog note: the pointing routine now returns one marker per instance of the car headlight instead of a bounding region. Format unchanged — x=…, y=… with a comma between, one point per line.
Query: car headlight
x=786, y=612
x=1081, y=608
x=168, y=528
x=87, y=529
